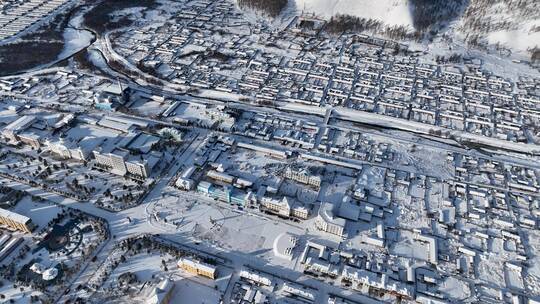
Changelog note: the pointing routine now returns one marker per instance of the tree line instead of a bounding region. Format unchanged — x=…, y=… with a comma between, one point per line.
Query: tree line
x=346, y=23
x=271, y=7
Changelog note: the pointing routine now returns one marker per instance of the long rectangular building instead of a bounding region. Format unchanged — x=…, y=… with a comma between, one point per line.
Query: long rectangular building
x=16, y=221
x=198, y=268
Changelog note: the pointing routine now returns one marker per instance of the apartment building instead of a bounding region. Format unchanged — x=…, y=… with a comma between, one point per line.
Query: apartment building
x=326, y=220
x=302, y=176
x=198, y=268
x=16, y=221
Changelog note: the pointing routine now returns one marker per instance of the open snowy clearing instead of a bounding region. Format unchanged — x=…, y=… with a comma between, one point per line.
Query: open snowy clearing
x=392, y=12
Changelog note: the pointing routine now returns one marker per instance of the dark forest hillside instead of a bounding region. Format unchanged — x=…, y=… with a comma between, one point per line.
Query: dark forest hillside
x=271, y=8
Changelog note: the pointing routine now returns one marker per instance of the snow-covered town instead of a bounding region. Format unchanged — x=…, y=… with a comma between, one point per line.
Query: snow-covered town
x=197, y=151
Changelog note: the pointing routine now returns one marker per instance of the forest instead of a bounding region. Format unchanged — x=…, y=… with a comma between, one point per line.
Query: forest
x=347, y=23
x=100, y=20
x=271, y=8
x=430, y=15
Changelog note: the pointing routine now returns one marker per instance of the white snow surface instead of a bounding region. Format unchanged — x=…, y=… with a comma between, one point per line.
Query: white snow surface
x=520, y=40
x=75, y=38
x=391, y=12
x=513, y=27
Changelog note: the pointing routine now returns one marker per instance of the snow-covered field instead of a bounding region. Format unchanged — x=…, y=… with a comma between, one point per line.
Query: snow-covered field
x=76, y=39
x=40, y=212
x=392, y=12
x=520, y=40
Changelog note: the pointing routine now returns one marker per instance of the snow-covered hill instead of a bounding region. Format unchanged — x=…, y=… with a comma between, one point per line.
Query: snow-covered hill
x=499, y=25
x=391, y=12
x=513, y=24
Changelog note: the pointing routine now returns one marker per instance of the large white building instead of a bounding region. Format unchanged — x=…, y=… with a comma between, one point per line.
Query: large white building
x=302, y=176
x=121, y=162
x=80, y=151
x=30, y=129
x=10, y=131
x=131, y=155
x=284, y=208
x=327, y=221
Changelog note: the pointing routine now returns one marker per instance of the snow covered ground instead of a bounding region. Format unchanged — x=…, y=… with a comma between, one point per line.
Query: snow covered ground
x=40, y=212
x=501, y=24
x=187, y=291
x=391, y=12
x=512, y=24
x=520, y=40
x=75, y=38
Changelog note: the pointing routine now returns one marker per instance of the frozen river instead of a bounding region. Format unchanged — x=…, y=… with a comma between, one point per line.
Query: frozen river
x=76, y=38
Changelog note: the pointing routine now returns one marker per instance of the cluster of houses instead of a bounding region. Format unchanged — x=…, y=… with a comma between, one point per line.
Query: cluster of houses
x=394, y=234
x=16, y=16
x=512, y=176
x=402, y=88
x=299, y=133
x=369, y=77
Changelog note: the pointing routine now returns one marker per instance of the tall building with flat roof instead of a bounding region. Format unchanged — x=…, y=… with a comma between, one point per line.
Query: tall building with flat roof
x=131, y=155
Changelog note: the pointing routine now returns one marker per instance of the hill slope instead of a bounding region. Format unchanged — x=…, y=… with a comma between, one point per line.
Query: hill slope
x=505, y=26
x=391, y=12
x=510, y=24
x=514, y=24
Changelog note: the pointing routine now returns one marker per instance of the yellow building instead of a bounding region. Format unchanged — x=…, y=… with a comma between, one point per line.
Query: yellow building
x=198, y=268
x=16, y=221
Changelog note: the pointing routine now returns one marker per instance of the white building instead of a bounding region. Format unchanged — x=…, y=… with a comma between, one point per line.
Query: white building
x=284, y=208
x=80, y=151
x=10, y=131
x=302, y=176
x=328, y=222
x=162, y=293
x=122, y=162
x=185, y=182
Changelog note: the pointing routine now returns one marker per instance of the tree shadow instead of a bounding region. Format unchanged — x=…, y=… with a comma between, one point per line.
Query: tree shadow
x=435, y=15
